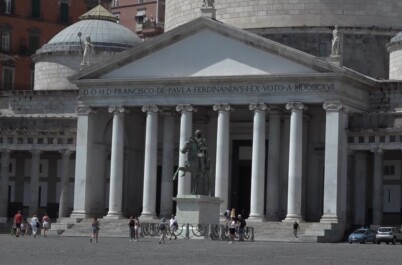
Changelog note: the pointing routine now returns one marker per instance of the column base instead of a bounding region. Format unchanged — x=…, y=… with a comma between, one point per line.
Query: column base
x=113, y=216
x=290, y=218
x=329, y=219
x=79, y=215
x=256, y=218
x=3, y=220
x=150, y=217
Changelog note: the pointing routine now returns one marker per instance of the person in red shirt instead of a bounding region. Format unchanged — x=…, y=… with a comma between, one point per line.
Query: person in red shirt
x=17, y=222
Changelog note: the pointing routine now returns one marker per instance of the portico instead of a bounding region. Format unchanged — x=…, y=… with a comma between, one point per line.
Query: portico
x=262, y=104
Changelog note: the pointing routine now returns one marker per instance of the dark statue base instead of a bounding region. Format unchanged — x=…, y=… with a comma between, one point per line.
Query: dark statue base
x=197, y=209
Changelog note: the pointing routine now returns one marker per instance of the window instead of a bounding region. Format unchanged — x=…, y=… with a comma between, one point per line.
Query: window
x=34, y=41
x=8, y=78
x=64, y=12
x=115, y=3
x=392, y=169
x=323, y=49
x=141, y=1
x=7, y=7
x=5, y=40
x=35, y=8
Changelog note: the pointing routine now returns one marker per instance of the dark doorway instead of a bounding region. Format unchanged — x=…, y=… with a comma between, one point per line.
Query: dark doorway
x=241, y=177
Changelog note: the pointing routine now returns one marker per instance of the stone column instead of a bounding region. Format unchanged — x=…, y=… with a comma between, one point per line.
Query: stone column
x=274, y=151
x=84, y=161
x=64, y=181
x=295, y=161
x=150, y=162
x=35, y=160
x=359, y=193
x=186, y=127
x=4, y=182
x=222, y=155
x=116, y=164
x=377, y=186
x=333, y=163
x=258, y=162
x=167, y=164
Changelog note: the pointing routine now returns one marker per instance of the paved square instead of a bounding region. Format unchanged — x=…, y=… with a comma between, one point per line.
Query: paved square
x=78, y=250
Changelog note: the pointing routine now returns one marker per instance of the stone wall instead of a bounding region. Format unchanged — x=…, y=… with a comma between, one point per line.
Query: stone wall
x=291, y=13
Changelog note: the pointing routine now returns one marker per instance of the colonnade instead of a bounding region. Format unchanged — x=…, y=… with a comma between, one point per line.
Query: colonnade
x=335, y=148
x=34, y=182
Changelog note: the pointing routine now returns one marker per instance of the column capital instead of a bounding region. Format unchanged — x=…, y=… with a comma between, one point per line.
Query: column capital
x=82, y=110
x=223, y=107
x=333, y=106
x=65, y=152
x=117, y=109
x=36, y=152
x=377, y=151
x=150, y=108
x=185, y=107
x=295, y=106
x=258, y=106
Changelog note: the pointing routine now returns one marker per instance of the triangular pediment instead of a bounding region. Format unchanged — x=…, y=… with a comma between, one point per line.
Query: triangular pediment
x=208, y=53
x=202, y=48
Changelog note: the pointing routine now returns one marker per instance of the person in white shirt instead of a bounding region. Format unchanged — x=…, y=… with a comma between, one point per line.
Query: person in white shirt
x=35, y=225
x=173, y=227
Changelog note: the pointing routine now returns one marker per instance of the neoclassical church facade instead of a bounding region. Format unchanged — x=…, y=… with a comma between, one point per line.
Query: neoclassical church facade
x=291, y=135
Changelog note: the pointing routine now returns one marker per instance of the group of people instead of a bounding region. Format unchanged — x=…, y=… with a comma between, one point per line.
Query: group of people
x=135, y=228
x=235, y=225
x=30, y=227
x=173, y=226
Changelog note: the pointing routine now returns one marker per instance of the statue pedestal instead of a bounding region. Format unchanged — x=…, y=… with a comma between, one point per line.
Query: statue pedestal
x=208, y=12
x=337, y=60
x=197, y=209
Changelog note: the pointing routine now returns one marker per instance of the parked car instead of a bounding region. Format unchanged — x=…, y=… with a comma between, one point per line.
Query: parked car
x=362, y=236
x=389, y=234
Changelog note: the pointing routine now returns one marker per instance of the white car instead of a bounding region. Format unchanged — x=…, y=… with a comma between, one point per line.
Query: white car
x=388, y=234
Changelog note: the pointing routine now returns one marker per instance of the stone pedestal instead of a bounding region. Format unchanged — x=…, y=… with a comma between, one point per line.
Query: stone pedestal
x=208, y=12
x=197, y=209
x=337, y=60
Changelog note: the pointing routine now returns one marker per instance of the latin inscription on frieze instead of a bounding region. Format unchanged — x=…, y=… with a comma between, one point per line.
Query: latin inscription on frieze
x=209, y=90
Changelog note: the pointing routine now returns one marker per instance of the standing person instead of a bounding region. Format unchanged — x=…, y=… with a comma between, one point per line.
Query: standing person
x=227, y=217
x=137, y=228
x=296, y=228
x=35, y=224
x=173, y=227
x=233, y=213
x=242, y=226
x=232, y=230
x=95, y=230
x=131, y=227
x=45, y=224
x=162, y=228
x=23, y=227
x=17, y=223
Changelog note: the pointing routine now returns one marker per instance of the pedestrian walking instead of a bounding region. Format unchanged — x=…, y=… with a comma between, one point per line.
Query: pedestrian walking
x=131, y=228
x=233, y=213
x=162, y=228
x=95, y=230
x=45, y=224
x=17, y=223
x=23, y=228
x=232, y=230
x=242, y=227
x=227, y=217
x=35, y=225
x=296, y=228
x=173, y=227
x=137, y=228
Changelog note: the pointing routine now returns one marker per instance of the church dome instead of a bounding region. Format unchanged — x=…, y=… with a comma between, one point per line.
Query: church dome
x=100, y=25
x=62, y=56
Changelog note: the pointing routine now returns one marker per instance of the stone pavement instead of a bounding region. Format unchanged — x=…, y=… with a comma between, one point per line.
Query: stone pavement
x=55, y=250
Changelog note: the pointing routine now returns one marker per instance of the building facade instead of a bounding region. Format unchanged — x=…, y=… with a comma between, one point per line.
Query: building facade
x=291, y=135
x=25, y=26
x=144, y=17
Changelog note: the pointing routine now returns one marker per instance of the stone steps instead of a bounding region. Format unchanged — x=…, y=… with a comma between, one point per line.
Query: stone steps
x=263, y=231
